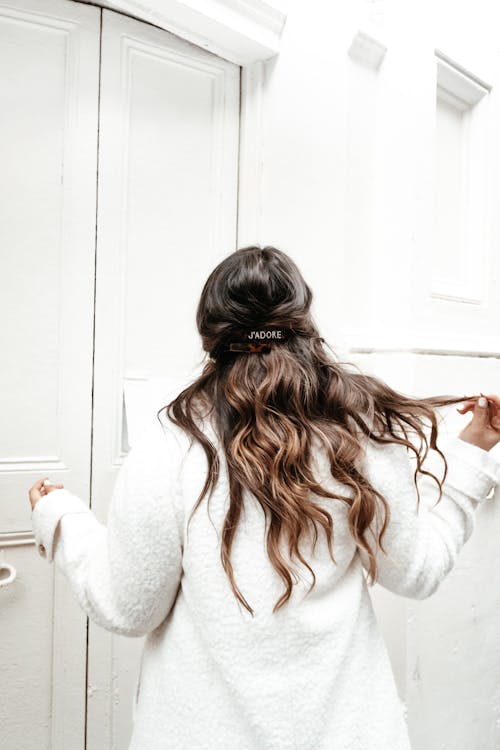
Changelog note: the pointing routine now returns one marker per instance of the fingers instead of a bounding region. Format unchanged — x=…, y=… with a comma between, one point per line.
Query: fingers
x=493, y=403
x=36, y=489
x=481, y=411
x=40, y=488
x=466, y=407
x=491, y=418
x=487, y=416
x=34, y=493
x=48, y=485
x=494, y=398
x=494, y=413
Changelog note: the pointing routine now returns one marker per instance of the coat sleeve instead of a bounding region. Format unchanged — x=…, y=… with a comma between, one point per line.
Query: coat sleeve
x=125, y=574
x=423, y=542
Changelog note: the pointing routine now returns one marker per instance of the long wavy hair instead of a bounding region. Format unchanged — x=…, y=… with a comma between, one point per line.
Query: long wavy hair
x=268, y=406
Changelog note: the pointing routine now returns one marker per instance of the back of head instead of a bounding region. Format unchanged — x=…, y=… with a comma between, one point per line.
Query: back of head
x=253, y=292
x=249, y=289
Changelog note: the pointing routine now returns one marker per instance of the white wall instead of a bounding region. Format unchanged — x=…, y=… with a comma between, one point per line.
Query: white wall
x=347, y=180
x=338, y=168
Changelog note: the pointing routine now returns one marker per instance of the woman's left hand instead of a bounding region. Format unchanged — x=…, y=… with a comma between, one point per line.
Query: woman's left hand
x=484, y=428
x=39, y=489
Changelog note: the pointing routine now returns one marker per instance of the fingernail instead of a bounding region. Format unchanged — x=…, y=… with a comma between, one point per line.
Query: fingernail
x=482, y=401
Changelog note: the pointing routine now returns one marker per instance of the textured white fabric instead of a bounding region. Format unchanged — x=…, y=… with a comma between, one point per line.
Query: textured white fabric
x=313, y=676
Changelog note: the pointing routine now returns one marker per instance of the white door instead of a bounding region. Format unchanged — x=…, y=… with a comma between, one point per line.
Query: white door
x=49, y=63
x=118, y=194
x=167, y=203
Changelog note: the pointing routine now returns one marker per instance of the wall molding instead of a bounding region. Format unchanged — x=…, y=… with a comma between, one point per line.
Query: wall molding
x=31, y=464
x=437, y=352
x=467, y=87
x=241, y=31
x=442, y=344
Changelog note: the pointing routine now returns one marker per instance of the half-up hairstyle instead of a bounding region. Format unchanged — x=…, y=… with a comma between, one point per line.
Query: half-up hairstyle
x=268, y=407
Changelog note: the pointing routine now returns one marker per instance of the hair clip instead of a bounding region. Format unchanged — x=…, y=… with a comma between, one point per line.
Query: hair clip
x=247, y=346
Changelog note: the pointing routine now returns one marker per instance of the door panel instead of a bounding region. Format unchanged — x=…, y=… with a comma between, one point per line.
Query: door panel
x=49, y=55
x=168, y=155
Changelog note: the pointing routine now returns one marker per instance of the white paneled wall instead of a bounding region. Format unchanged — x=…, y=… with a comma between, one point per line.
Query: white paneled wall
x=381, y=155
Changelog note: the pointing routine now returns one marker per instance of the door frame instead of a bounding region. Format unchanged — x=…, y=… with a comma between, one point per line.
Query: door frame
x=249, y=35
x=241, y=32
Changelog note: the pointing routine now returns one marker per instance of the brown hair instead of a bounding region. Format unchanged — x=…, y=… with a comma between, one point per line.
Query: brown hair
x=268, y=406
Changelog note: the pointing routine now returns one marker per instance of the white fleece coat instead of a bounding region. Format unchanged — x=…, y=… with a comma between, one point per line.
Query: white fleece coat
x=313, y=676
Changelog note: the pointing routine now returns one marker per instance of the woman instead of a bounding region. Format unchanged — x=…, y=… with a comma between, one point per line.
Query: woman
x=260, y=629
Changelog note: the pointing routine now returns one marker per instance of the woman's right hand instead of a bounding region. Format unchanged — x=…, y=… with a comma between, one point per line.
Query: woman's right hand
x=483, y=429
